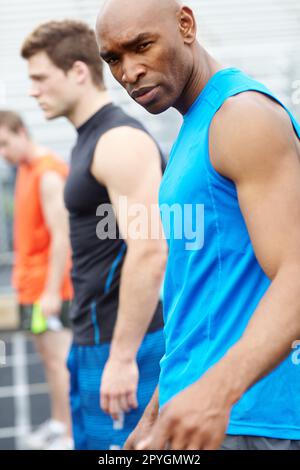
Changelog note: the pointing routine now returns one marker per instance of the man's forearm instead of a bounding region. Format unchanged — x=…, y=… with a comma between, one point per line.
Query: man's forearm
x=141, y=281
x=268, y=338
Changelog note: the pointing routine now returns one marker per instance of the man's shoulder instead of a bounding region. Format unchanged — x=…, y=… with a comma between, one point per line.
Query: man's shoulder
x=251, y=108
x=246, y=127
x=122, y=151
x=50, y=161
x=51, y=182
x=123, y=133
x=125, y=142
x=119, y=130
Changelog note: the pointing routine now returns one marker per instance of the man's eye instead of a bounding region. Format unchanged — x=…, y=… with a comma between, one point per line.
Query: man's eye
x=112, y=61
x=144, y=46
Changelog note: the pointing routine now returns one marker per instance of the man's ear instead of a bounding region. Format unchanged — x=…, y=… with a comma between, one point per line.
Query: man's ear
x=81, y=71
x=187, y=24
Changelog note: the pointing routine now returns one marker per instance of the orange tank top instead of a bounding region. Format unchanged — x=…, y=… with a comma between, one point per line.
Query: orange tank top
x=32, y=240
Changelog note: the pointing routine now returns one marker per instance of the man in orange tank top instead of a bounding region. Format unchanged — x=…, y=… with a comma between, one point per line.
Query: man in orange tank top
x=42, y=266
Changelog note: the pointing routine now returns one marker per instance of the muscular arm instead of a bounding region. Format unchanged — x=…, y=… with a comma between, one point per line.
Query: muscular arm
x=264, y=162
x=127, y=162
x=252, y=142
x=51, y=190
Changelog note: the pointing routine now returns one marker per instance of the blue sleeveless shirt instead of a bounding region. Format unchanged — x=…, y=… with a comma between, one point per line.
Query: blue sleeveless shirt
x=213, y=280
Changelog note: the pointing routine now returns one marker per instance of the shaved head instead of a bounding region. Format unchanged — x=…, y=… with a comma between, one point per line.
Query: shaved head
x=152, y=7
x=134, y=14
x=149, y=46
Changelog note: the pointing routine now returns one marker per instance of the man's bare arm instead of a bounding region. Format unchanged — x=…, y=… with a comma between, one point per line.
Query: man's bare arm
x=51, y=191
x=127, y=161
x=265, y=165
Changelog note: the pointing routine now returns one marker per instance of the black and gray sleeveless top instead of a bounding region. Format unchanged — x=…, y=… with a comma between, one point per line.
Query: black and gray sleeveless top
x=97, y=262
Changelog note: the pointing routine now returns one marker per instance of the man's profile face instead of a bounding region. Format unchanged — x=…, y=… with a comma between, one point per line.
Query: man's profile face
x=51, y=86
x=146, y=56
x=13, y=145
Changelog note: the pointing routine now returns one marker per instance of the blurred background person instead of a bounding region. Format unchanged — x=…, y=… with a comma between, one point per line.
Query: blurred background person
x=42, y=264
x=117, y=275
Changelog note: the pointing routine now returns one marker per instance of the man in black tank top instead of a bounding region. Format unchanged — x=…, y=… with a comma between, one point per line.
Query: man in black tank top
x=117, y=273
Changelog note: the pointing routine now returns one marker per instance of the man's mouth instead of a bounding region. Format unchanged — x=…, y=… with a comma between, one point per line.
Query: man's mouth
x=144, y=95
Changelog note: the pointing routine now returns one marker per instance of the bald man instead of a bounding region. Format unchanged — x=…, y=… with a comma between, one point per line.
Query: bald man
x=232, y=298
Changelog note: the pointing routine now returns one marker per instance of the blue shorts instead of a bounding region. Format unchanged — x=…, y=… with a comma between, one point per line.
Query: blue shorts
x=93, y=429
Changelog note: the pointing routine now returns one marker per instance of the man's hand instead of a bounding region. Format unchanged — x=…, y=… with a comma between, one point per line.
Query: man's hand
x=118, y=390
x=145, y=425
x=196, y=419
x=50, y=304
x=141, y=432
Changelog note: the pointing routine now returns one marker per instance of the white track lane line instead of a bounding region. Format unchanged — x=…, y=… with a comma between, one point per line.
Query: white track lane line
x=20, y=381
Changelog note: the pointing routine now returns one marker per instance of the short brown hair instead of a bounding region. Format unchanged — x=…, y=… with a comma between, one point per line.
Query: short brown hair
x=12, y=121
x=65, y=42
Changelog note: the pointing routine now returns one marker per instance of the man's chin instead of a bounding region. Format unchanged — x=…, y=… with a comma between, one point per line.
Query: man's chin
x=157, y=110
x=50, y=115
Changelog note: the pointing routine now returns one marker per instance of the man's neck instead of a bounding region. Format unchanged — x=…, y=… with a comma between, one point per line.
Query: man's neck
x=204, y=68
x=91, y=102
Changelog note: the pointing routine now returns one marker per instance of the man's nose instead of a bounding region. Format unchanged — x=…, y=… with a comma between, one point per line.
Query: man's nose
x=132, y=71
x=34, y=91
